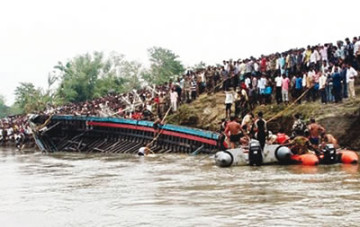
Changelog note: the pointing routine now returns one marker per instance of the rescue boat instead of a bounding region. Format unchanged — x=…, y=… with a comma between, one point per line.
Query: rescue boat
x=280, y=154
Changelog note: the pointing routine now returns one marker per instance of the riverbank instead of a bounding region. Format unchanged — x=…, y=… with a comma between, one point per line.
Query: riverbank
x=340, y=119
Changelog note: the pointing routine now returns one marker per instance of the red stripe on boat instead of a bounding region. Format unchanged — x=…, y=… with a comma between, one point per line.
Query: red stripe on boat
x=142, y=128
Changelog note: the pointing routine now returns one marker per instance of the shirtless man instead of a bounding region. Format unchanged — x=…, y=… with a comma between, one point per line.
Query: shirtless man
x=248, y=122
x=328, y=139
x=234, y=131
x=315, y=130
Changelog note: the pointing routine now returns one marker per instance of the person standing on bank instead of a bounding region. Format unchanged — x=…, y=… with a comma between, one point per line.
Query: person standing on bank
x=322, y=88
x=278, y=81
x=351, y=73
x=229, y=99
x=285, y=84
x=337, y=85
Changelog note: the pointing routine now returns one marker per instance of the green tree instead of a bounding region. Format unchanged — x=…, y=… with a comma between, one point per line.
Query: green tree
x=15, y=110
x=200, y=65
x=29, y=99
x=118, y=75
x=4, y=109
x=89, y=76
x=131, y=71
x=78, y=77
x=164, y=66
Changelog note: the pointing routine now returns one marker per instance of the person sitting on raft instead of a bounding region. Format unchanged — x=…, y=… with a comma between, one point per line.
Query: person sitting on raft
x=271, y=139
x=281, y=137
x=299, y=126
x=328, y=139
x=301, y=145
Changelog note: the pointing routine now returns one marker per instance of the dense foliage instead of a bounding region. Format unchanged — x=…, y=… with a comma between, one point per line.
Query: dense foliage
x=164, y=66
x=89, y=76
x=4, y=109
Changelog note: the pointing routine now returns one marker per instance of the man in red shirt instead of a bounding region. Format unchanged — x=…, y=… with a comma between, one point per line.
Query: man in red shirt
x=285, y=83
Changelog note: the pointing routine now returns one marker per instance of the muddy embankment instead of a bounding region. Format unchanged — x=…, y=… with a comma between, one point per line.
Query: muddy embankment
x=342, y=119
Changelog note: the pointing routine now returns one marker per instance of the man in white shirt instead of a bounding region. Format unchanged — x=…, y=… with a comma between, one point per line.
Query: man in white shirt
x=357, y=50
x=350, y=77
x=278, y=82
x=356, y=47
x=229, y=99
x=242, y=68
x=314, y=57
x=322, y=87
x=247, y=82
x=261, y=86
x=323, y=53
x=173, y=99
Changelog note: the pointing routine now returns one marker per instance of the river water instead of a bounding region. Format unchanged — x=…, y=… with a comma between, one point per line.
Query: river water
x=71, y=189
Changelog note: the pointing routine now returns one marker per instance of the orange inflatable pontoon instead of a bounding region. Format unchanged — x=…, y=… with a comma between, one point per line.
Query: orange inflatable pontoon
x=306, y=159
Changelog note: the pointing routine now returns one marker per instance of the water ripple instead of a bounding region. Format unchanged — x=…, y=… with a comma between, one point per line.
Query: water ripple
x=71, y=189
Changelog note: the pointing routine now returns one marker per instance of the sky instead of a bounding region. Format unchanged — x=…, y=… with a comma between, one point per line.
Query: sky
x=35, y=35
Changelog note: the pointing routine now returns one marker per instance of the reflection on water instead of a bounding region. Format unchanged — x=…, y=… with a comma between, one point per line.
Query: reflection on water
x=72, y=189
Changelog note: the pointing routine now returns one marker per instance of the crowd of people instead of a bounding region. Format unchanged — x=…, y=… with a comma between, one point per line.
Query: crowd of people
x=321, y=72
x=325, y=72
x=15, y=129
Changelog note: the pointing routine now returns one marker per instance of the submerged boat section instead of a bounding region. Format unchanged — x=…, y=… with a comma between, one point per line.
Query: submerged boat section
x=118, y=135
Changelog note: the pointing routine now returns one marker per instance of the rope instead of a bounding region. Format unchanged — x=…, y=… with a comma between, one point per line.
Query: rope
x=293, y=103
x=45, y=123
x=216, y=86
x=162, y=129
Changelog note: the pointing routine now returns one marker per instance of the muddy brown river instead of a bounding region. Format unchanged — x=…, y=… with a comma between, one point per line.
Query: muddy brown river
x=71, y=189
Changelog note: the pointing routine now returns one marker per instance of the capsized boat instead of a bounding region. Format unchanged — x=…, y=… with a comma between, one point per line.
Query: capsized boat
x=280, y=154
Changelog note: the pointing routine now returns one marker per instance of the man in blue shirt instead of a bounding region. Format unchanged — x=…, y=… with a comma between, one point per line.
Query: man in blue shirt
x=337, y=84
x=298, y=87
x=344, y=82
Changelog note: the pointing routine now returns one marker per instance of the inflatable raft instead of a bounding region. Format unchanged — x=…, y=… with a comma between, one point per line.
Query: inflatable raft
x=279, y=154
